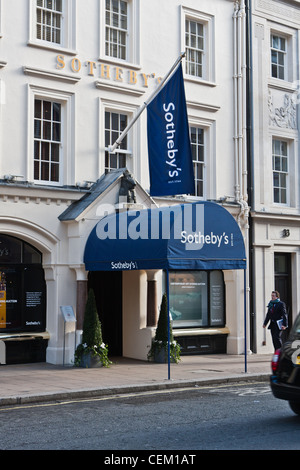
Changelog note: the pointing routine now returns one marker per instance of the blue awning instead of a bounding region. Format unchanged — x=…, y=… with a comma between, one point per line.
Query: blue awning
x=196, y=236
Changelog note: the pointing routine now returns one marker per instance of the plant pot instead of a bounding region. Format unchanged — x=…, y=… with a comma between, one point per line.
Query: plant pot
x=161, y=357
x=88, y=360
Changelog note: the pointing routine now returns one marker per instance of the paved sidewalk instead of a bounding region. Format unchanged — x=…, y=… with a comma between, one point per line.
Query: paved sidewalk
x=45, y=382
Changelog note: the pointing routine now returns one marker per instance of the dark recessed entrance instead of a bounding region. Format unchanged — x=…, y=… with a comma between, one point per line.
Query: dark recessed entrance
x=283, y=277
x=108, y=293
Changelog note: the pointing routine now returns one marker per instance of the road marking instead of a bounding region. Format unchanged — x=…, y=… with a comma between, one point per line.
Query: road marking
x=248, y=391
x=198, y=388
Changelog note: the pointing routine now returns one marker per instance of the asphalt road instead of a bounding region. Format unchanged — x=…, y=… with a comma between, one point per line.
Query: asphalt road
x=224, y=417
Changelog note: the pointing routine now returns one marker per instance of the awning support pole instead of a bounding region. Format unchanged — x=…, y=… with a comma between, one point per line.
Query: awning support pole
x=112, y=148
x=245, y=320
x=168, y=310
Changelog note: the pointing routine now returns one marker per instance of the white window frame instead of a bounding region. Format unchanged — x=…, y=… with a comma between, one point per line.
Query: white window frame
x=67, y=146
x=55, y=27
x=209, y=166
x=133, y=136
x=198, y=162
x=281, y=171
x=133, y=36
x=68, y=28
x=120, y=31
x=50, y=142
x=279, y=51
x=126, y=152
x=209, y=55
x=290, y=65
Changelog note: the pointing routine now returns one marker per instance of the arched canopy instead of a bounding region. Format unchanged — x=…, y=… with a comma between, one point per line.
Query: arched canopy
x=200, y=235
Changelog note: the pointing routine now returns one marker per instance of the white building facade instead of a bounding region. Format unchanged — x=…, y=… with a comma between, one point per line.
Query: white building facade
x=274, y=160
x=73, y=74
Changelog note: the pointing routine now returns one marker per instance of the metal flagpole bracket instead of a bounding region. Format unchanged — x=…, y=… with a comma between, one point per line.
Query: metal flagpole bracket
x=112, y=148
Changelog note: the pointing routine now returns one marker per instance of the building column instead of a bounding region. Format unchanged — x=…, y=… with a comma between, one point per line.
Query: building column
x=81, y=295
x=152, y=309
x=81, y=298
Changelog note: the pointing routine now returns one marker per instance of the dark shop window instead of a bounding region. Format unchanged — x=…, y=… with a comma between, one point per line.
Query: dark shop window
x=197, y=299
x=22, y=287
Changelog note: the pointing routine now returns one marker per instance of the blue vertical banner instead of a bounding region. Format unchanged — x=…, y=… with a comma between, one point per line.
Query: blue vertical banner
x=169, y=148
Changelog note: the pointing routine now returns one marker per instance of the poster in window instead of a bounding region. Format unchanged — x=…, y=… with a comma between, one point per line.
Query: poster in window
x=188, y=299
x=10, y=300
x=34, y=298
x=217, y=308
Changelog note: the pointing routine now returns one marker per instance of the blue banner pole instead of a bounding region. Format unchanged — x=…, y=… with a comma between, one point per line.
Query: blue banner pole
x=112, y=148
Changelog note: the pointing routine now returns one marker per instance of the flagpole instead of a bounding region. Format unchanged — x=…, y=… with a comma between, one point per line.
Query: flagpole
x=112, y=148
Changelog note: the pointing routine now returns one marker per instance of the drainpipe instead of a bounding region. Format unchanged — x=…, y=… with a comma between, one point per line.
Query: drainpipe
x=251, y=201
x=240, y=123
x=240, y=119
x=235, y=97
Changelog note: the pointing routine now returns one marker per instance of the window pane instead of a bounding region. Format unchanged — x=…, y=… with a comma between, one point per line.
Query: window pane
x=56, y=131
x=36, y=170
x=188, y=298
x=283, y=196
x=36, y=150
x=37, y=109
x=284, y=164
x=283, y=148
x=44, y=171
x=277, y=164
x=55, y=153
x=47, y=110
x=47, y=130
x=55, y=172
x=276, y=179
x=107, y=120
x=274, y=57
x=45, y=155
x=281, y=74
x=37, y=129
x=114, y=121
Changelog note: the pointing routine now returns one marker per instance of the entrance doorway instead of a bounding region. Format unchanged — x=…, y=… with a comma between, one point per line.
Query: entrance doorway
x=282, y=262
x=107, y=287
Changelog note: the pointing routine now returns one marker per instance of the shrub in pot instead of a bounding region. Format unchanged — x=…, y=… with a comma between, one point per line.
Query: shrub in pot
x=92, y=352
x=159, y=347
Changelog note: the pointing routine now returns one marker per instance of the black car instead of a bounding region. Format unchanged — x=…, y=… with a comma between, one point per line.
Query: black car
x=285, y=381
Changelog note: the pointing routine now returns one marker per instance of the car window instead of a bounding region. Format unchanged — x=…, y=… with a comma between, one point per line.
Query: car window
x=296, y=327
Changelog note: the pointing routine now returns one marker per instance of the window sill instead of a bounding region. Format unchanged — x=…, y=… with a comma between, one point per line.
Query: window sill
x=282, y=85
x=200, y=331
x=113, y=86
x=119, y=63
x=199, y=81
x=52, y=47
x=23, y=336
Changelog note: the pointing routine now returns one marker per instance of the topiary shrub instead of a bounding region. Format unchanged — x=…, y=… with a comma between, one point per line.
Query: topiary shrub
x=92, y=344
x=160, y=341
